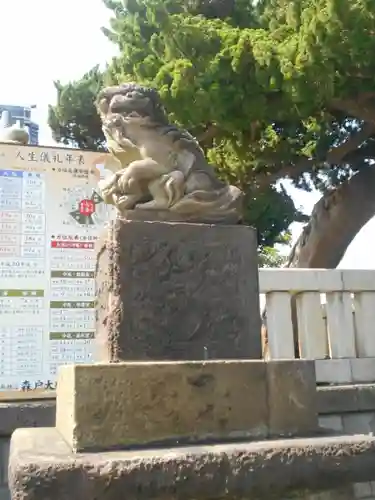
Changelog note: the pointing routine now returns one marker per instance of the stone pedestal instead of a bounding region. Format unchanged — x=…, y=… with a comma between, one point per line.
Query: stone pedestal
x=122, y=430
x=122, y=405
x=42, y=467
x=175, y=291
x=132, y=428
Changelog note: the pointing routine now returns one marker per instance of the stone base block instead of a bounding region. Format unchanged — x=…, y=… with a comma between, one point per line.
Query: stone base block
x=121, y=405
x=176, y=291
x=42, y=467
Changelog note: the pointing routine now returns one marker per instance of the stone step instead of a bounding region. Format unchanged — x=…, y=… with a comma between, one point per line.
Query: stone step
x=42, y=466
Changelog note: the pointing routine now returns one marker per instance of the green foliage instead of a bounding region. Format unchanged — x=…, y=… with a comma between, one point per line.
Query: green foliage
x=74, y=120
x=271, y=257
x=284, y=85
x=271, y=211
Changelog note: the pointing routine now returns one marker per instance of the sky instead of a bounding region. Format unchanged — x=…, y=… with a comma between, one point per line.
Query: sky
x=46, y=40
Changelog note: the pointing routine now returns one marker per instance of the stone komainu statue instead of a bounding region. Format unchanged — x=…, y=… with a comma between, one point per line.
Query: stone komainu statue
x=157, y=166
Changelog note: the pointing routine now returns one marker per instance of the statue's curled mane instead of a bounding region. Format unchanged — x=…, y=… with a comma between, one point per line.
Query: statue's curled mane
x=156, y=114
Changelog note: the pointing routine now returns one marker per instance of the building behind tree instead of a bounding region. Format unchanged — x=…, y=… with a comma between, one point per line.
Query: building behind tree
x=22, y=115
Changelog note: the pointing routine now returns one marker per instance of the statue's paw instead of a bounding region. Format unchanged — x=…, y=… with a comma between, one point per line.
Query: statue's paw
x=124, y=182
x=126, y=202
x=107, y=198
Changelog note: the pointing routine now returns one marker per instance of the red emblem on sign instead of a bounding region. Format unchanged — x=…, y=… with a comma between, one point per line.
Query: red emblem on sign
x=86, y=207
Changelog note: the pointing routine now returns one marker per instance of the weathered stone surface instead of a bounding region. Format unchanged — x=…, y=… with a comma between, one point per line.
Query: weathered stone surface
x=4, y=455
x=363, y=422
x=366, y=397
x=332, y=423
x=164, y=402
x=42, y=467
x=346, y=398
x=26, y=414
x=331, y=399
x=4, y=493
x=292, y=397
x=339, y=399
x=175, y=291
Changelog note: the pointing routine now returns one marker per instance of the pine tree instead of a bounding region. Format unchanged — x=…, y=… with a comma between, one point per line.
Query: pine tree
x=274, y=90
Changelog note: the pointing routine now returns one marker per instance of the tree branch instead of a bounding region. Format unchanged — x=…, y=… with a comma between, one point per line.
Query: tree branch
x=208, y=134
x=357, y=108
x=334, y=156
x=337, y=154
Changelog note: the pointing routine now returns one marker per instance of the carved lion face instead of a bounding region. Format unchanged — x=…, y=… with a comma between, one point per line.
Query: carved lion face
x=130, y=101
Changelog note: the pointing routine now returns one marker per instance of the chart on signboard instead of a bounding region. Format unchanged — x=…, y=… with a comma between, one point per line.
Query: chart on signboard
x=50, y=218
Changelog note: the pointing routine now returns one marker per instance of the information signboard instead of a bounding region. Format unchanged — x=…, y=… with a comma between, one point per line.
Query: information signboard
x=50, y=218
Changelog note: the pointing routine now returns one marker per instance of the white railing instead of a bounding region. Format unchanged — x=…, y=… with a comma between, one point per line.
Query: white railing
x=334, y=320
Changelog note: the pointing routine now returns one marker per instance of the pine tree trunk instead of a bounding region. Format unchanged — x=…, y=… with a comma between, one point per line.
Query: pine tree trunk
x=335, y=221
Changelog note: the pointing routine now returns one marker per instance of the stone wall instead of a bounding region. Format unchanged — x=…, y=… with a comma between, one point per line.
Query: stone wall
x=345, y=409
x=4, y=449
x=349, y=409
x=22, y=414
